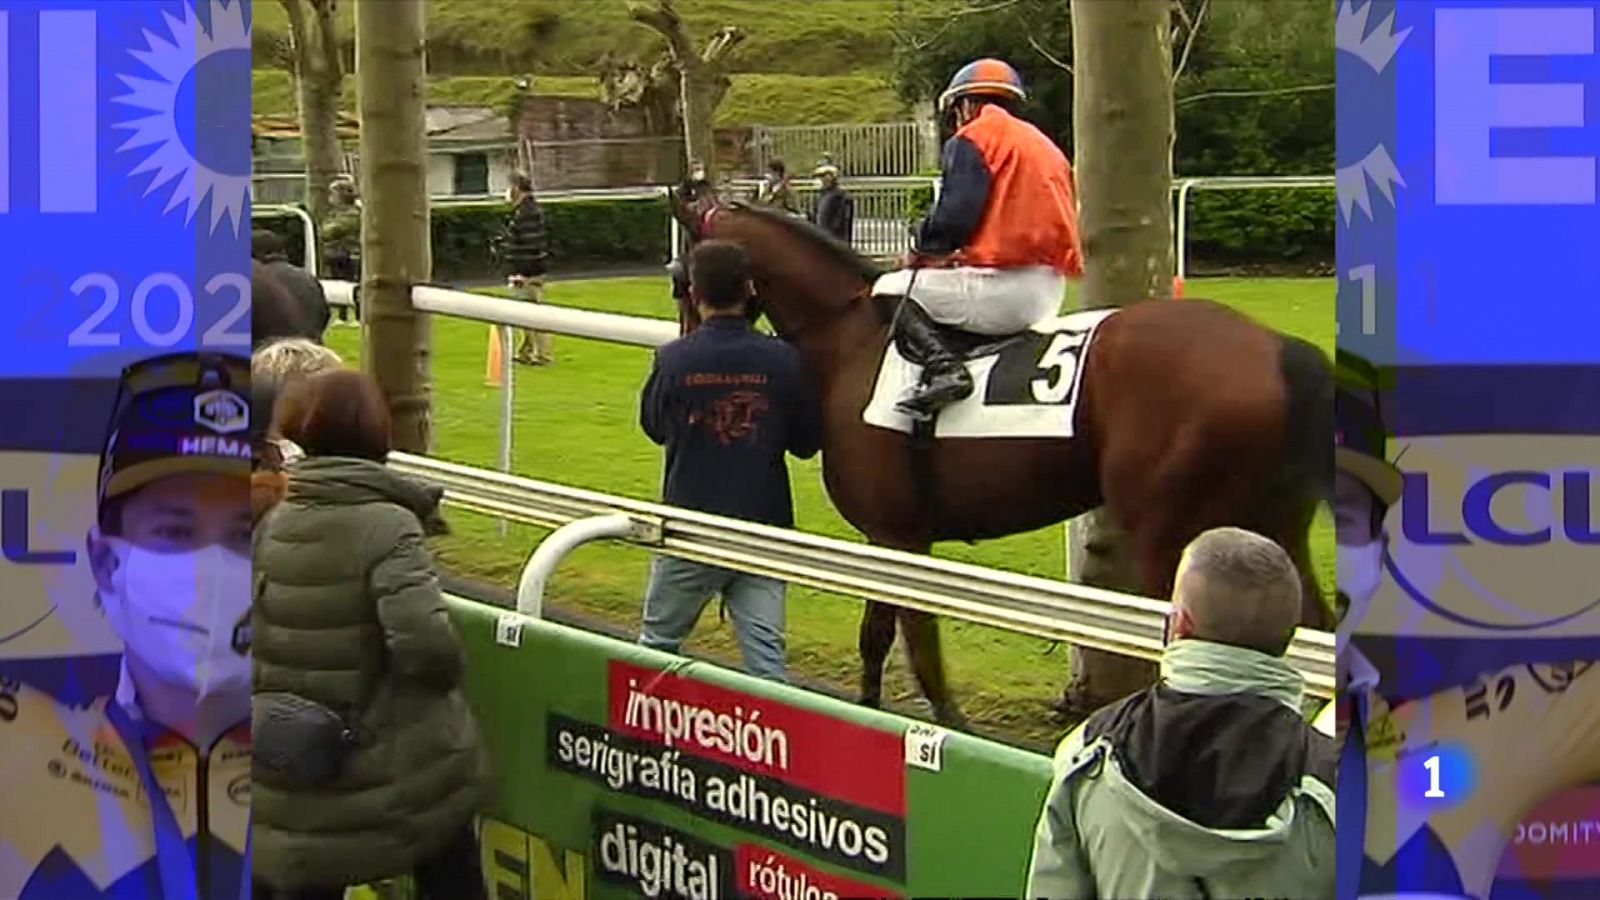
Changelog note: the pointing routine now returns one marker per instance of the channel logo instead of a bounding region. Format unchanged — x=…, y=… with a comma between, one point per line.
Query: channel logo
x=1495, y=536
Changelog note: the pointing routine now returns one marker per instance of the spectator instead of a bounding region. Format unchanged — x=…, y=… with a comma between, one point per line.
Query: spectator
x=169, y=555
x=836, y=209
x=777, y=190
x=341, y=238
x=1211, y=783
x=350, y=617
x=727, y=403
x=524, y=251
x=266, y=248
x=290, y=358
x=272, y=367
x=274, y=312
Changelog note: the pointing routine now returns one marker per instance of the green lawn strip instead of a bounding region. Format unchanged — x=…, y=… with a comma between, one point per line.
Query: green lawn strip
x=576, y=424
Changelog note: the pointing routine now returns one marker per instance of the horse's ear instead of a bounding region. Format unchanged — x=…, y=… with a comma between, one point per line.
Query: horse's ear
x=683, y=201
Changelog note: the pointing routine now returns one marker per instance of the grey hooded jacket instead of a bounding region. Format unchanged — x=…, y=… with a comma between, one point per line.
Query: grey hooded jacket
x=1209, y=785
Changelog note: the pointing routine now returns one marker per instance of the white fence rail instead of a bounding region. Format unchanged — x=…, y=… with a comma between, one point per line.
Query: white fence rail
x=1025, y=604
x=883, y=206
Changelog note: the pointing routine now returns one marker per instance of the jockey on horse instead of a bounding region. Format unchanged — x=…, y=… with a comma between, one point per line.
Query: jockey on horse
x=993, y=256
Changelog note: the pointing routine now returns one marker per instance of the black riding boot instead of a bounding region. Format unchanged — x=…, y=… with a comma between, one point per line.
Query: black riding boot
x=945, y=379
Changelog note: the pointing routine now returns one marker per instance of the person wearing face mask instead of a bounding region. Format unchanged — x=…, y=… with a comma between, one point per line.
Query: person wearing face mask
x=993, y=256
x=1530, y=730
x=169, y=552
x=352, y=634
x=1210, y=783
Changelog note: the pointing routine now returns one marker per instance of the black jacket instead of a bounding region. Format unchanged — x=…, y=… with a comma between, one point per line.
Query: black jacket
x=728, y=403
x=524, y=244
x=836, y=213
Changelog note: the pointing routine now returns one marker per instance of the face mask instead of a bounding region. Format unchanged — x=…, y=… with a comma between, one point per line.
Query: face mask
x=1360, y=569
x=184, y=615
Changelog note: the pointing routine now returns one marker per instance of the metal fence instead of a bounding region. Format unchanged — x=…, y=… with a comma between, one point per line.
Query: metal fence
x=885, y=208
x=1040, y=607
x=869, y=149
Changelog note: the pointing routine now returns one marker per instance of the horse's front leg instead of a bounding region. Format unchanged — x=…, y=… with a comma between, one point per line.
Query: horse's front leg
x=876, y=637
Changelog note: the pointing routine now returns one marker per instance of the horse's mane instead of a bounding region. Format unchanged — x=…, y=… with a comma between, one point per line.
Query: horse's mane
x=841, y=252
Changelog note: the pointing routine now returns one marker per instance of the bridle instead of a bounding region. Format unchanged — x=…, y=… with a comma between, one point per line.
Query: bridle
x=755, y=306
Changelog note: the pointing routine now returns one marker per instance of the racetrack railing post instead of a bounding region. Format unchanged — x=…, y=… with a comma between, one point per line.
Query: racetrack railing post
x=542, y=564
x=507, y=405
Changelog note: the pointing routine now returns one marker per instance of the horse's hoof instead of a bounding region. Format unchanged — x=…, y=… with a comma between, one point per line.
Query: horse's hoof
x=952, y=719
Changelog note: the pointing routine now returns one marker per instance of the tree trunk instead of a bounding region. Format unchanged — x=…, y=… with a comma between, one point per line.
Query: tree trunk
x=395, y=250
x=702, y=77
x=1123, y=128
x=699, y=118
x=319, y=82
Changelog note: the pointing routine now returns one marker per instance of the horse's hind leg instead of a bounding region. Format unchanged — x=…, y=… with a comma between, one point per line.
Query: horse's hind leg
x=1314, y=613
x=921, y=631
x=875, y=639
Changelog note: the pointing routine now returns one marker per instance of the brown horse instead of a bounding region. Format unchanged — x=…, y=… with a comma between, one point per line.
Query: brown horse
x=1189, y=416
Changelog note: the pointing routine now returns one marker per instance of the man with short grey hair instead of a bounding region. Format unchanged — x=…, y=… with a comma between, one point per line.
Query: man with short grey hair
x=1211, y=783
x=1238, y=588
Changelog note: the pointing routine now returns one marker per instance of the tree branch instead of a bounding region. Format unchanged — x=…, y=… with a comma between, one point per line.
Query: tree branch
x=722, y=44
x=951, y=18
x=1053, y=60
x=1265, y=92
x=1193, y=25
x=297, y=35
x=663, y=19
x=328, y=37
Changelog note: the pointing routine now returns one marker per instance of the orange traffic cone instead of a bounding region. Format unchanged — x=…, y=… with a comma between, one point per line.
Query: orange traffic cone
x=492, y=372
x=1177, y=287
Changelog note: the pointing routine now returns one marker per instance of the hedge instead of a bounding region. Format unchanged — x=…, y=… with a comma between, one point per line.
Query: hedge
x=1227, y=228
x=1261, y=227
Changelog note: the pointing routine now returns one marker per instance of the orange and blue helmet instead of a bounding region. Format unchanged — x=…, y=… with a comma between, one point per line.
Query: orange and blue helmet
x=984, y=77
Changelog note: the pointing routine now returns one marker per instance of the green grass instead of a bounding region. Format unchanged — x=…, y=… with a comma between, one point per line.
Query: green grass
x=576, y=424
x=753, y=99
x=567, y=37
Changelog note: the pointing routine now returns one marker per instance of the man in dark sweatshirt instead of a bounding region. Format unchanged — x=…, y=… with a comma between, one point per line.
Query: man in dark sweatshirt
x=727, y=403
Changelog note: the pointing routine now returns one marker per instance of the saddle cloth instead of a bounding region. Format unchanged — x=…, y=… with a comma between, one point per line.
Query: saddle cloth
x=1023, y=387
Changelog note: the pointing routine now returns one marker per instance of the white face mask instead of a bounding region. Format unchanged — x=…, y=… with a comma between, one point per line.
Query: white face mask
x=1360, y=570
x=182, y=614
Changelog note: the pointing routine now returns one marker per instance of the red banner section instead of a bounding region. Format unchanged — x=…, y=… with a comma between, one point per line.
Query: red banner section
x=764, y=874
x=859, y=765
x=1559, y=839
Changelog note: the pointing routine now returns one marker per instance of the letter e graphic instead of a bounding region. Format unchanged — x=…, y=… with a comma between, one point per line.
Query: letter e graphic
x=1468, y=107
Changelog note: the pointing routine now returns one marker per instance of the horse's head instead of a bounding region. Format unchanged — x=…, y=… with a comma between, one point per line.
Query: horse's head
x=802, y=276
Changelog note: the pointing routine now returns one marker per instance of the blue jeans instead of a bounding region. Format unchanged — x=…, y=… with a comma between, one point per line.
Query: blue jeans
x=678, y=592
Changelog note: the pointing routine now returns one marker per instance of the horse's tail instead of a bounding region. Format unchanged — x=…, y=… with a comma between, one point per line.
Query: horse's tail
x=1308, y=419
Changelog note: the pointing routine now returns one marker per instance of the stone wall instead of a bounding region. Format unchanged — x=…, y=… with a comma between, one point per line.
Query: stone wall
x=581, y=143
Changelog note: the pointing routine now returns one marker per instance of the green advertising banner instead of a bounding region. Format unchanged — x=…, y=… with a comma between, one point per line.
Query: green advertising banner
x=623, y=772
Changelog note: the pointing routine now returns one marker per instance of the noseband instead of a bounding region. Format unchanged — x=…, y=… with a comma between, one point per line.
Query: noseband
x=755, y=306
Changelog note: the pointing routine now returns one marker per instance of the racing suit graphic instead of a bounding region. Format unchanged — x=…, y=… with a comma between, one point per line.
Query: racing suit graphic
x=75, y=819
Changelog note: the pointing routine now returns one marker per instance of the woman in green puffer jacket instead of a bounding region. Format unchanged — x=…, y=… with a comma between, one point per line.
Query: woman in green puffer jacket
x=348, y=613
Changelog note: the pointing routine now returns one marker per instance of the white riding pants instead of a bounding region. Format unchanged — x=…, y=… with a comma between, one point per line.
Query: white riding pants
x=980, y=301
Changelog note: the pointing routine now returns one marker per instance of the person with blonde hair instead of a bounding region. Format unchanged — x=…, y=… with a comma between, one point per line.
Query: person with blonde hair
x=292, y=357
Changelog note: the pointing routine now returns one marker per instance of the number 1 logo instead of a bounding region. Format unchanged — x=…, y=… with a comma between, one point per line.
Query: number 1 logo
x=67, y=126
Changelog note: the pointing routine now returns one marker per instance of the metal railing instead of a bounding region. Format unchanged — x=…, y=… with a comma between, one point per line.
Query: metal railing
x=1024, y=604
x=868, y=148
x=1186, y=186
x=883, y=205
x=1020, y=603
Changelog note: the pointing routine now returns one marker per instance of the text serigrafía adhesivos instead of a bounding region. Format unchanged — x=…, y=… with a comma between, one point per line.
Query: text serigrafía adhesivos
x=860, y=838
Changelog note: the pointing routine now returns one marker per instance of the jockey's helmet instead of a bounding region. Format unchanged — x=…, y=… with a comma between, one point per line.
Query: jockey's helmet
x=984, y=77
